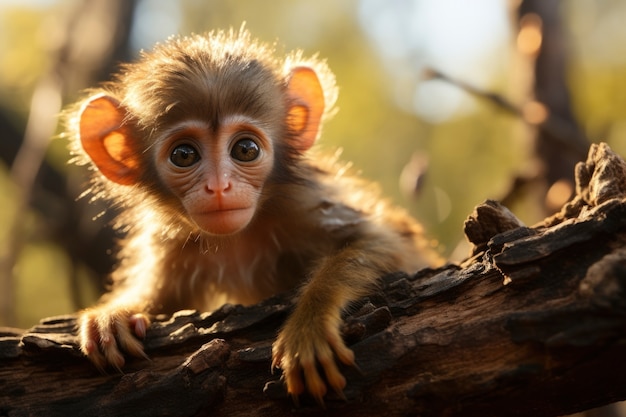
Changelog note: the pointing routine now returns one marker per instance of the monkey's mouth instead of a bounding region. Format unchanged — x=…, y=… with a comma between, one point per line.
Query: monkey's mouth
x=223, y=211
x=224, y=221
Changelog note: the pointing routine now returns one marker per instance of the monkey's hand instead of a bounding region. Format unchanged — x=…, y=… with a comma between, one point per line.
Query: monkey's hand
x=106, y=331
x=308, y=339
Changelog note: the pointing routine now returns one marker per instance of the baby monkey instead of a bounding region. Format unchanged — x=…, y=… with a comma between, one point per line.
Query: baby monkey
x=204, y=144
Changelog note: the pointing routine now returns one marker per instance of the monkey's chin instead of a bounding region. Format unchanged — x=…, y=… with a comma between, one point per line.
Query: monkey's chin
x=224, y=222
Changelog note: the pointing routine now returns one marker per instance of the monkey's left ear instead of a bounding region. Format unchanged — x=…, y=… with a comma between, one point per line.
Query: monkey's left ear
x=305, y=114
x=108, y=140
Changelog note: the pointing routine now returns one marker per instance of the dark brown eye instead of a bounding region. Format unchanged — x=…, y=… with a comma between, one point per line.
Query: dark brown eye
x=184, y=156
x=245, y=150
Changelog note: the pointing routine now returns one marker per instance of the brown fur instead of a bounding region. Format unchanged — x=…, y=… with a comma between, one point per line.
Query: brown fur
x=315, y=227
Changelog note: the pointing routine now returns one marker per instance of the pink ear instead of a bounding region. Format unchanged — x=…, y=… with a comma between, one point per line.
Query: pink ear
x=305, y=114
x=107, y=140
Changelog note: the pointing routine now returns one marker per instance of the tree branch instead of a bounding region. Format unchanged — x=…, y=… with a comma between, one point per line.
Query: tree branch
x=532, y=324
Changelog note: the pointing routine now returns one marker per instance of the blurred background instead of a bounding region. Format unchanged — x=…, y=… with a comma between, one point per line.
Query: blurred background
x=444, y=103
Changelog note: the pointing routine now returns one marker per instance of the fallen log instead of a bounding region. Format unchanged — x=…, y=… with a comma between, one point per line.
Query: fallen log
x=533, y=323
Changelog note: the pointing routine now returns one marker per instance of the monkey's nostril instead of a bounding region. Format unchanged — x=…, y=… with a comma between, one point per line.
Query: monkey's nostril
x=218, y=184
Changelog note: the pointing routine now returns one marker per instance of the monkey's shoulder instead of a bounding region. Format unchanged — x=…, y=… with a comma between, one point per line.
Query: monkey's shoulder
x=343, y=189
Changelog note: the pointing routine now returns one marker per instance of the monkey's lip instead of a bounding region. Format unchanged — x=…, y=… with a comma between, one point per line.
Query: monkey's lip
x=223, y=210
x=224, y=221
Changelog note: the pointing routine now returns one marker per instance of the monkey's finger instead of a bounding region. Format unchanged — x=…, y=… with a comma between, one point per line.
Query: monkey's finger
x=89, y=342
x=277, y=355
x=87, y=334
x=127, y=340
x=98, y=359
x=108, y=346
x=293, y=380
x=275, y=364
x=314, y=383
x=139, y=323
x=344, y=354
x=335, y=379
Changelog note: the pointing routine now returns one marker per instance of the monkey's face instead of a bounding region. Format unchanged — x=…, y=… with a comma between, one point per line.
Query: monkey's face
x=218, y=174
x=204, y=127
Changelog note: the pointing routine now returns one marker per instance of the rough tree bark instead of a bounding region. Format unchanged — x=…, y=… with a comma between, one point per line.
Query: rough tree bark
x=532, y=324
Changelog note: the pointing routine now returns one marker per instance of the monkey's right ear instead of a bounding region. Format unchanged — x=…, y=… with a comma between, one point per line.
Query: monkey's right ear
x=108, y=140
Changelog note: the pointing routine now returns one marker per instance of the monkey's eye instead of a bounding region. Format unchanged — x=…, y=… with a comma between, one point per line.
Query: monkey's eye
x=184, y=156
x=245, y=150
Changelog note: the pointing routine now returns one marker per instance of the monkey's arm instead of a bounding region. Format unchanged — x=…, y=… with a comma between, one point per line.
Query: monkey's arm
x=311, y=334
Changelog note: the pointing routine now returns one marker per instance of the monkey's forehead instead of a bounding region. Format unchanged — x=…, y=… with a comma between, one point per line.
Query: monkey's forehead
x=198, y=88
x=206, y=76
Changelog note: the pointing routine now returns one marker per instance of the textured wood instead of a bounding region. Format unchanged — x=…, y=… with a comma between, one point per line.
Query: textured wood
x=532, y=324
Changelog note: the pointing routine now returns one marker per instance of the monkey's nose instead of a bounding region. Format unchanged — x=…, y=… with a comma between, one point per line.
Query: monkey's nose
x=218, y=184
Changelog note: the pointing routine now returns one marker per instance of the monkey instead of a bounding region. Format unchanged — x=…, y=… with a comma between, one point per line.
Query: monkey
x=205, y=145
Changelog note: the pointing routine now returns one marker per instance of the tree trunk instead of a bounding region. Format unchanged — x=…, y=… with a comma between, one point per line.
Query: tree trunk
x=532, y=324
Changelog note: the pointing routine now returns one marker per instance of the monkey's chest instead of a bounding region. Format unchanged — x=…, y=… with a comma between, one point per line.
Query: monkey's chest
x=238, y=275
